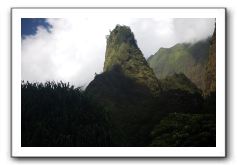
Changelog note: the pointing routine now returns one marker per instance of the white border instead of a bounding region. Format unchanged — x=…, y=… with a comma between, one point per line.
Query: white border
x=218, y=151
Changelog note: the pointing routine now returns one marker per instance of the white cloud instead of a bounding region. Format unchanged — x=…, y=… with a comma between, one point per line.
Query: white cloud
x=152, y=34
x=74, y=50
x=192, y=30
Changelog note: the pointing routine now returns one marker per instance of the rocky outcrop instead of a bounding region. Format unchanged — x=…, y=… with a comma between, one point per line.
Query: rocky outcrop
x=210, y=76
x=122, y=51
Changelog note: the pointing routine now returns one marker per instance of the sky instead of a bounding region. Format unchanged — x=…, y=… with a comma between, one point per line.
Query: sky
x=73, y=49
x=29, y=26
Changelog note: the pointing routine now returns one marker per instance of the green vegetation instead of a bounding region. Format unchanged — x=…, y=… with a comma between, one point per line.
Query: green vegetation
x=185, y=130
x=57, y=114
x=179, y=81
x=189, y=59
x=129, y=103
x=135, y=111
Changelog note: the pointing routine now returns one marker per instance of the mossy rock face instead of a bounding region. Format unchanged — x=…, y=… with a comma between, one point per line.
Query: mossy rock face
x=187, y=58
x=122, y=50
x=210, y=76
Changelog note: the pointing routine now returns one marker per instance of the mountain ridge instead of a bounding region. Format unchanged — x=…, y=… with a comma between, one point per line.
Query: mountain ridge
x=187, y=58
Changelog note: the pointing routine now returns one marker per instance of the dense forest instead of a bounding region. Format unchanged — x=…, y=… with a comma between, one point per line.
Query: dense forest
x=57, y=114
x=126, y=105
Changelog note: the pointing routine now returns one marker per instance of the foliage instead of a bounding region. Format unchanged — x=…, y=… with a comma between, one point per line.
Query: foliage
x=177, y=100
x=57, y=114
x=185, y=130
x=210, y=103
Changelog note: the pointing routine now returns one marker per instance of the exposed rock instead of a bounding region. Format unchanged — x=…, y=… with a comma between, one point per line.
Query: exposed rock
x=210, y=76
x=122, y=50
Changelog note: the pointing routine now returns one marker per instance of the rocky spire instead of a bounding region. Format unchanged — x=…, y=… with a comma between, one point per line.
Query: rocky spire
x=122, y=50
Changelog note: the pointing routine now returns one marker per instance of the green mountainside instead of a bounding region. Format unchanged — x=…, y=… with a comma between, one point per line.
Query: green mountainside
x=179, y=81
x=186, y=58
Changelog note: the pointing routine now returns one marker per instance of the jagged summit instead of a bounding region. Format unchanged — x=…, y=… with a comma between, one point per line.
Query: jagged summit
x=119, y=47
x=122, y=50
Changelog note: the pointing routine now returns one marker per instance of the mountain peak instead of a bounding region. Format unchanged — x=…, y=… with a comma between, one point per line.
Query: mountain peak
x=122, y=51
x=121, y=38
x=121, y=34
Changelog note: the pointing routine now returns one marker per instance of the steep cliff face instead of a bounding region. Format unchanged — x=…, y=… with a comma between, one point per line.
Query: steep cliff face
x=122, y=51
x=210, y=76
x=189, y=59
x=127, y=87
x=126, y=77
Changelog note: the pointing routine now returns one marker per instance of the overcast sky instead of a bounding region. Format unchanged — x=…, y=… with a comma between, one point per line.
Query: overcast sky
x=73, y=50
